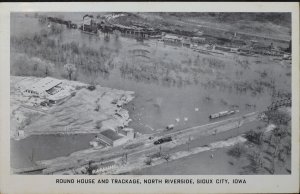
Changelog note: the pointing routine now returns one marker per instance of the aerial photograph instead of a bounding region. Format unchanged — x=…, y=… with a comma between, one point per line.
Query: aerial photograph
x=150, y=93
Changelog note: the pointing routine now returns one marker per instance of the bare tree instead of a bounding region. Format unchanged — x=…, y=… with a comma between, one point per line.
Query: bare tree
x=166, y=157
x=148, y=161
x=236, y=151
x=70, y=69
x=48, y=68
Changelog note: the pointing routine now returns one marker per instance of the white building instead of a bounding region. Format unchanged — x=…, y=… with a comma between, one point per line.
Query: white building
x=48, y=88
x=41, y=87
x=172, y=39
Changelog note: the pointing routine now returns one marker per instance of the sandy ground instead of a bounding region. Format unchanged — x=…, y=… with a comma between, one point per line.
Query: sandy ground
x=75, y=115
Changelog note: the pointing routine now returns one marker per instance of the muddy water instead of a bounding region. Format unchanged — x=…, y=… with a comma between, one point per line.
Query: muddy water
x=157, y=106
x=42, y=147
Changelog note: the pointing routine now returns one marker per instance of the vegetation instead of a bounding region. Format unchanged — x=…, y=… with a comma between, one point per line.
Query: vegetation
x=277, y=117
x=267, y=153
x=167, y=157
x=236, y=151
x=36, y=54
x=148, y=161
x=91, y=168
x=255, y=137
x=70, y=69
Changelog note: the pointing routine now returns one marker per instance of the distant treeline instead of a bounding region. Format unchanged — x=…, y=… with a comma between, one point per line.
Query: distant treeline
x=283, y=19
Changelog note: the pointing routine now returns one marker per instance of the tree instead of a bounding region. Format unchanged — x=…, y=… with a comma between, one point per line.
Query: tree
x=148, y=161
x=166, y=157
x=91, y=167
x=255, y=137
x=125, y=158
x=70, y=69
x=48, y=68
x=236, y=151
x=256, y=164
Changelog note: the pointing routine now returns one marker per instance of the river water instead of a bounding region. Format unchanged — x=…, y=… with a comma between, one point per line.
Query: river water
x=42, y=147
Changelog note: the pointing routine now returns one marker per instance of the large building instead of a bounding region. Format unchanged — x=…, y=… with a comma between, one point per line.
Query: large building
x=172, y=40
x=88, y=24
x=41, y=87
x=114, y=138
x=48, y=88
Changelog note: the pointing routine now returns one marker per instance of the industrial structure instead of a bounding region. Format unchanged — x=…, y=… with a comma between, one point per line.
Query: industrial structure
x=110, y=137
x=48, y=88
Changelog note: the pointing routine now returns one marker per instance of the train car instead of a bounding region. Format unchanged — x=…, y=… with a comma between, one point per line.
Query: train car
x=222, y=114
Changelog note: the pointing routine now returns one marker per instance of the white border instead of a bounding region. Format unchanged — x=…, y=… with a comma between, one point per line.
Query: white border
x=46, y=184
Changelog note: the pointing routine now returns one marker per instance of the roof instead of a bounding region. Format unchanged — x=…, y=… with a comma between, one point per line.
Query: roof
x=59, y=95
x=111, y=134
x=107, y=164
x=169, y=36
x=44, y=84
x=87, y=15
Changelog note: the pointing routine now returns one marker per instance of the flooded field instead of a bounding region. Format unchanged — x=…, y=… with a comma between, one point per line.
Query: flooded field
x=25, y=152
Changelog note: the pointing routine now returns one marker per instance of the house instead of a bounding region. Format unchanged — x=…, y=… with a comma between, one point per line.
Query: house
x=186, y=43
x=87, y=20
x=198, y=40
x=115, y=138
x=172, y=39
x=88, y=24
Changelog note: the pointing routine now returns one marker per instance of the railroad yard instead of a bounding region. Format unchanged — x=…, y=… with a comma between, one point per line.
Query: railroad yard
x=138, y=96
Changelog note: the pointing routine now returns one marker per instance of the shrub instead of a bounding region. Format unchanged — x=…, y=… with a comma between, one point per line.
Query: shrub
x=236, y=151
x=255, y=137
x=98, y=124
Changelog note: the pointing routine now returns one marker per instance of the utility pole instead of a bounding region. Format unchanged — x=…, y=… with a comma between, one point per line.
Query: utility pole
x=160, y=150
x=189, y=140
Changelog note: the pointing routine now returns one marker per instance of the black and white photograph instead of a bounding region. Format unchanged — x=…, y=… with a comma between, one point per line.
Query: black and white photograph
x=150, y=93
x=149, y=97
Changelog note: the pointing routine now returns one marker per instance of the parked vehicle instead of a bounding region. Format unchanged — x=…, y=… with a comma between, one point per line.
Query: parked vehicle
x=170, y=127
x=91, y=87
x=163, y=140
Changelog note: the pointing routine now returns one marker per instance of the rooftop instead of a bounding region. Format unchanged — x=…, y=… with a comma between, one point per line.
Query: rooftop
x=111, y=134
x=170, y=36
x=107, y=164
x=45, y=84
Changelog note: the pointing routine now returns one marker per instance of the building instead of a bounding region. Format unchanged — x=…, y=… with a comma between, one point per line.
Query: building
x=88, y=24
x=47, y=88
x=172, y=39
x=198, y=40
x=115, y=138
x=42, y=87
x=186, y=43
